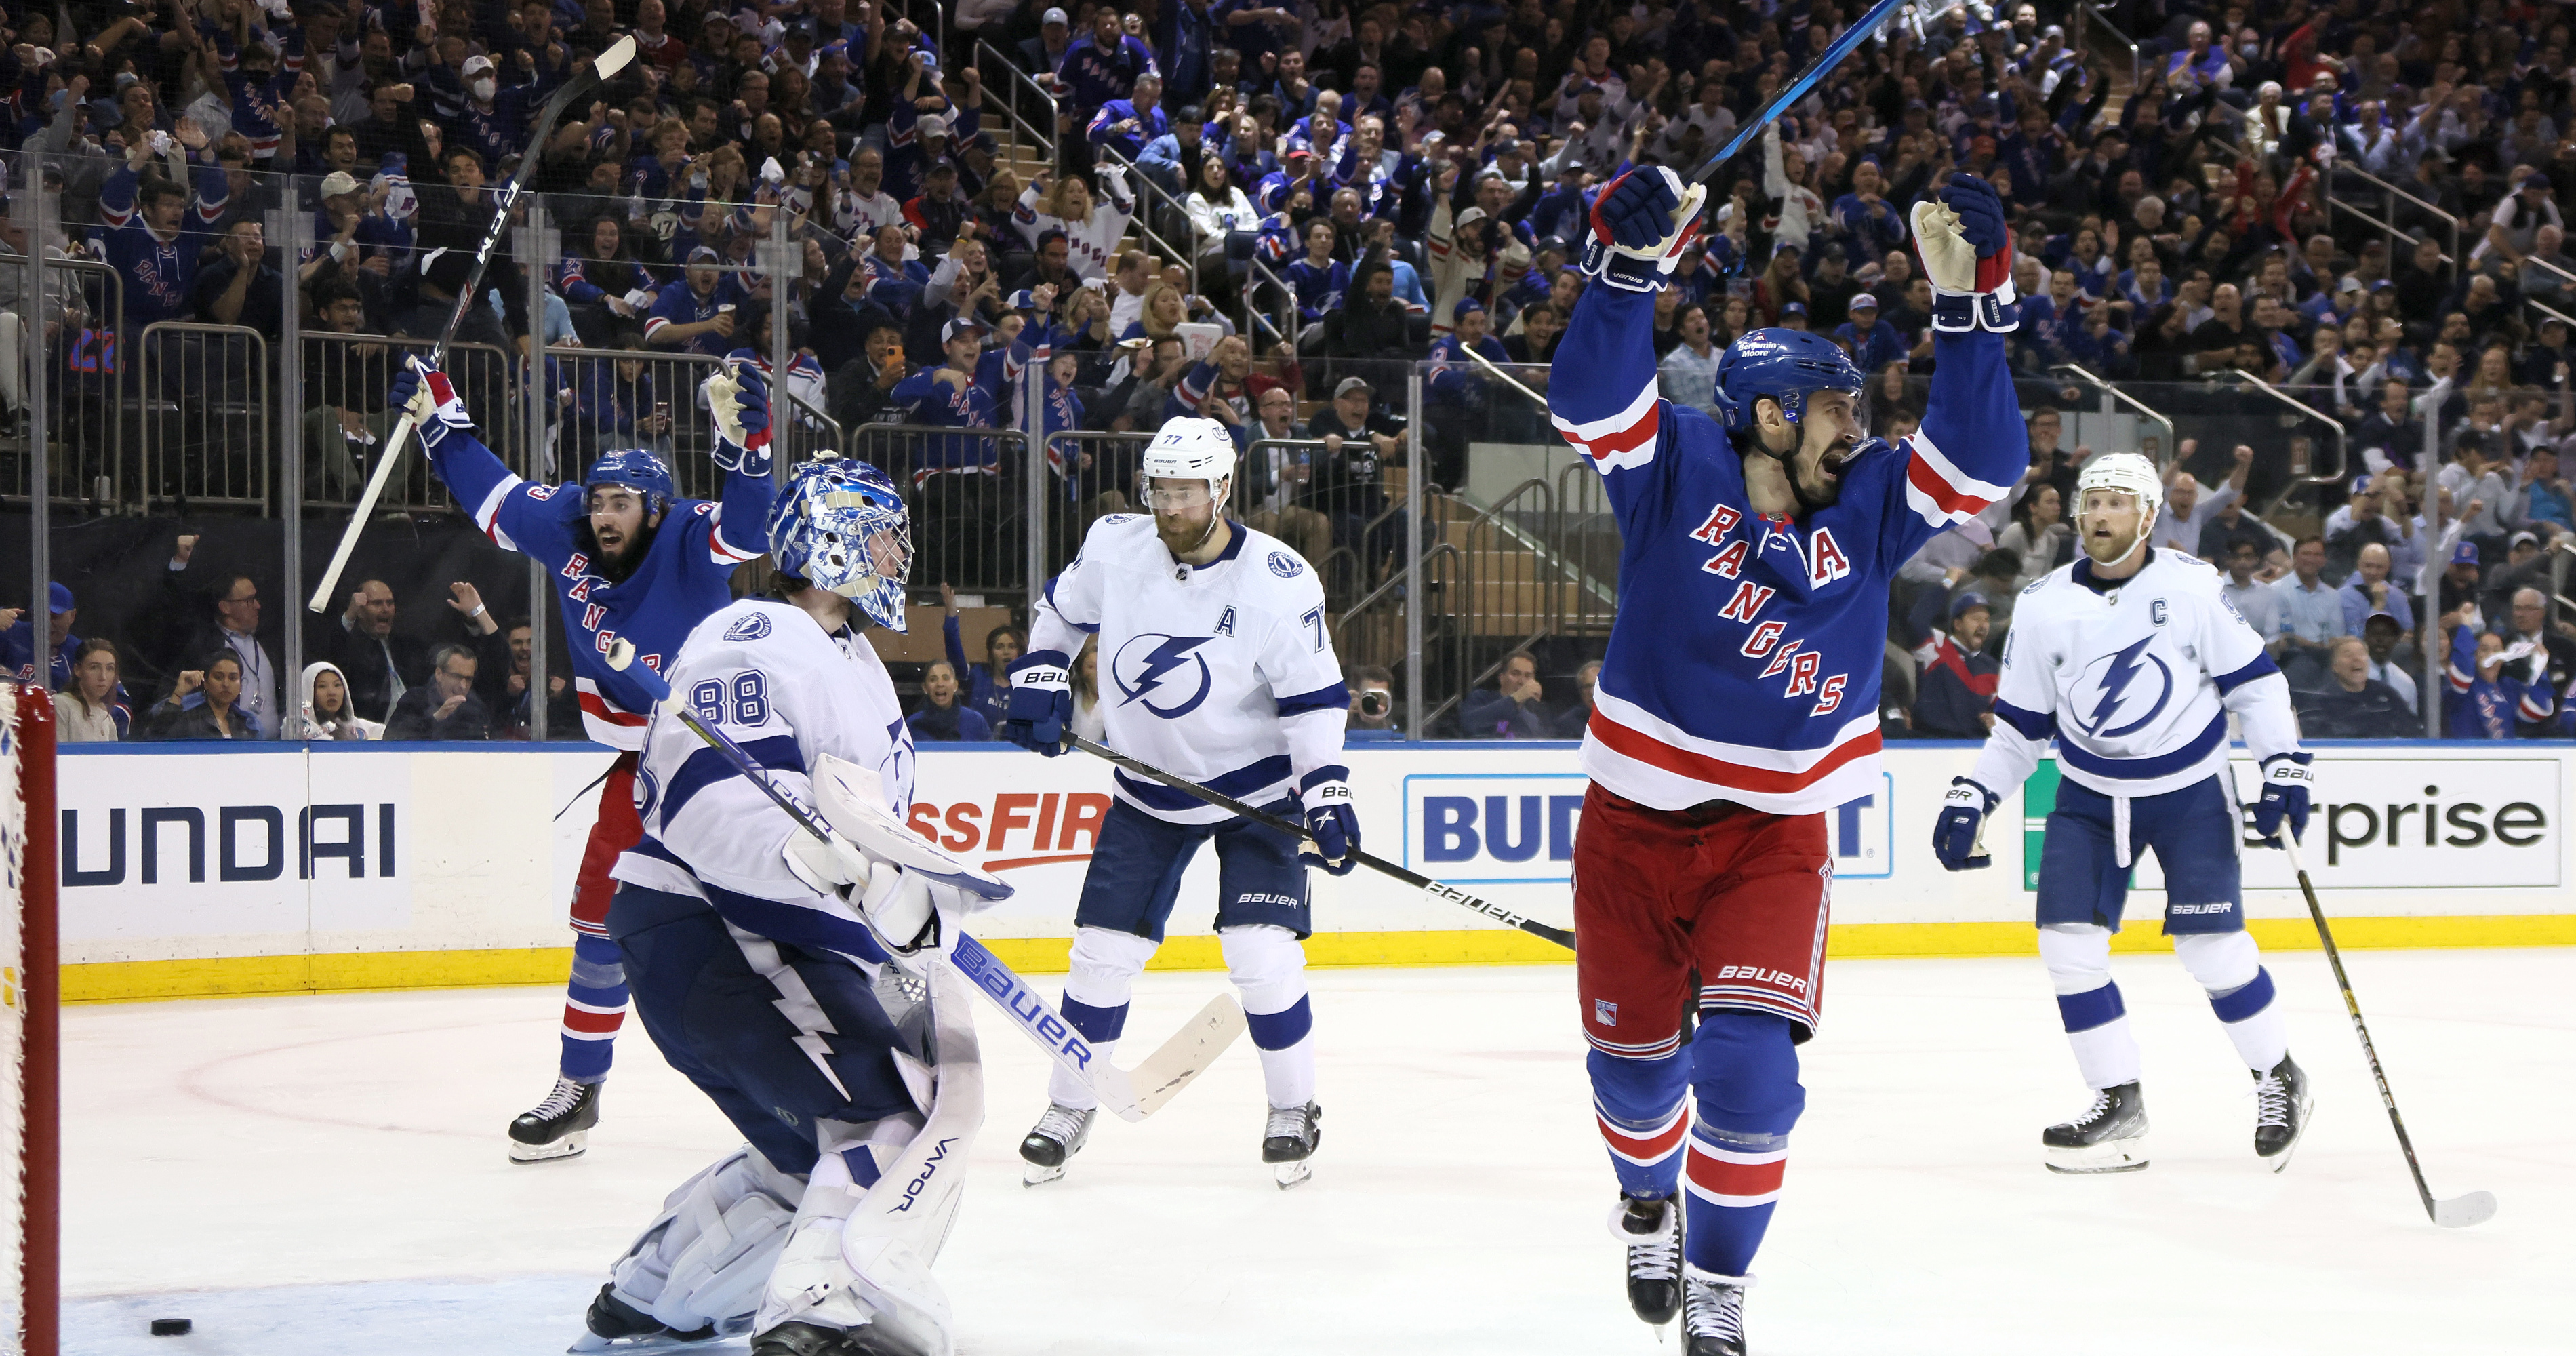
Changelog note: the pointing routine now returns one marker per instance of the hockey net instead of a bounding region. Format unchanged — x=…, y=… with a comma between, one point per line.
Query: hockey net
x=30, y=1118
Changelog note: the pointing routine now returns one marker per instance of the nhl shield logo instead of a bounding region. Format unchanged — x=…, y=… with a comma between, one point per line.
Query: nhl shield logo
x=1605, y=1012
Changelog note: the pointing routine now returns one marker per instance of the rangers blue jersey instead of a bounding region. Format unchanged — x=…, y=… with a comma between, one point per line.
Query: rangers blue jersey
x=1744, y=663
x=686, y=573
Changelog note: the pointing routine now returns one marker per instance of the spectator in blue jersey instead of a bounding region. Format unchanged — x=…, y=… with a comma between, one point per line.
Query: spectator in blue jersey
x=1514, y=708
x=149, y=242
x=960, y=524
x=491, y=119
x=893, y=281
x=943, y=717
x=1102, y=65
x=1868, y=223
x=1126, y=125
x=259, y=83
x=1459, y=398
x=445, y=707
x=92, y=707
x=1955, y=697
x=18, y=640
x=2493, y=685
x=1872, y=345
x=206, y=704
x=695, y=314
x=1319, y=280
x=986, y=686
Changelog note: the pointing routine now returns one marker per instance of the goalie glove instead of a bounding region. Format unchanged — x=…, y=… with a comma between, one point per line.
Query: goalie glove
x=1640, y=224
x=829, y=865
x=1966, y=247
x=1958, y=837
x=424, y=393
x=738, y=395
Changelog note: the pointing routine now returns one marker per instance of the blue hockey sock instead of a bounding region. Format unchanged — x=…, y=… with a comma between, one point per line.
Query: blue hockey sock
x=1745, y=1070
x=1643, y=1112
x=594, y=1007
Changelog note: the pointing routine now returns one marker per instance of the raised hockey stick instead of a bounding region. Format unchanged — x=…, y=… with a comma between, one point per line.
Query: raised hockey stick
x=1134, y=1093
x=606, y=64
x=1841, y=47
x=1449, y=894
x=2459, y=1212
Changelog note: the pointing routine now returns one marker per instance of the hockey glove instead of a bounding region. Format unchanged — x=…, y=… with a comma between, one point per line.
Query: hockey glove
x=1041, y=703
x=900, y=909
x=2286, y=783
x=1958, y=836
x=425, y=393
x=1967, y=251
x=827, y=867
x=1332, y=818
x=739, y=396
x=1639, y=225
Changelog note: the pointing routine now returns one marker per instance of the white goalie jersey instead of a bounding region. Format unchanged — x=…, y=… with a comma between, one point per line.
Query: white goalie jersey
x=2134, y=681
x=1222, y=673
x=763, y=673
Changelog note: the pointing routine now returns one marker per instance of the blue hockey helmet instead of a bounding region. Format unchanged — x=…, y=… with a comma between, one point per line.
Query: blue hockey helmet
x=841, y=526
x=637, y=470
x=1784, y=365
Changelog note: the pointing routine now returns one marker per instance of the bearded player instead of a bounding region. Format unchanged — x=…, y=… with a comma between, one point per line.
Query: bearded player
x=1738, y=702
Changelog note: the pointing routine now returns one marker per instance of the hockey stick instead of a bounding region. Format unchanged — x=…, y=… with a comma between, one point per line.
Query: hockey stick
x=1841, y=47
x=1446, y=893
x=1134, y=1093
x=2459, y=1212
x=606, y=64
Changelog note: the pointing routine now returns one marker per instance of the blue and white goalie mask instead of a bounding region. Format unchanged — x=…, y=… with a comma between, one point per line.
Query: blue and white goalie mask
x=841, y=526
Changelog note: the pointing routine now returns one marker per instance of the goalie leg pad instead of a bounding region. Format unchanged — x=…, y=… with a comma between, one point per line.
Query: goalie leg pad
x=704, y=1260
x=1268, y=967
x=1102, y=973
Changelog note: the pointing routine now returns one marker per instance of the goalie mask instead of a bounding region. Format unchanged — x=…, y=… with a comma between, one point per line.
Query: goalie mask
x=841, y=525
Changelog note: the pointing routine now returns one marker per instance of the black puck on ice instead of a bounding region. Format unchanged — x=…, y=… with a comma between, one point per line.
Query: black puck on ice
x=171, y=1327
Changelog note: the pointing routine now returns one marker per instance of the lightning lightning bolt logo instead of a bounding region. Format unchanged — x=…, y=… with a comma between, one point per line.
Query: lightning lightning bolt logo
x=2120, y=672
x=1156, y=666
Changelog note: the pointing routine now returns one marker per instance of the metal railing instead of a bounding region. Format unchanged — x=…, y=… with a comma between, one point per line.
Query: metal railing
x=203, y=392
x=2089, y=15
x=2386, y=218
x=968, y=495
x=77, y=357
x=1019, y=84
x=344, y=422
x=1151, y=195
x=2110, y=393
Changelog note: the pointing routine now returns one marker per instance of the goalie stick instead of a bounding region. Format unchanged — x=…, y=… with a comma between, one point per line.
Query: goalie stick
x=2459, y=1212
x=608, y=63
x=1448, y=894
x=1134, y=1093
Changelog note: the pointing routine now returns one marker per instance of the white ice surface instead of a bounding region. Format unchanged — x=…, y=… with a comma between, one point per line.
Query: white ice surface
x=311, y=1175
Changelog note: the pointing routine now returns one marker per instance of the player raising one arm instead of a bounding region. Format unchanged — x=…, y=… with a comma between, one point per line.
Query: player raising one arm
x=1217, y=667
x=1738, y=701
x=757, y=953
x=630, y=560
x=2132, y=659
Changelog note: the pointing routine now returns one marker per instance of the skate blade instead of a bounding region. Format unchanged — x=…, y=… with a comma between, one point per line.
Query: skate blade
x=570, y=1146
x=1292, y=1174
x=2111, y=1155
x=1032, y=1174
x=2307, y=1110
x=591, y=1343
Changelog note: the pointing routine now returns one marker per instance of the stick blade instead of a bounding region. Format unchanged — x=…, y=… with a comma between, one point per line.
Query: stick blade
x=1189, y=1053
x=619, y=55
x=2465, y=1212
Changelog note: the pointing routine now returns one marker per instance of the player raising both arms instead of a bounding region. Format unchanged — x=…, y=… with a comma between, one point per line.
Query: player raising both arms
x=1738, y=702
x=1215, y=665
x=2132, y=659
x=630, y=560
x=761, y=961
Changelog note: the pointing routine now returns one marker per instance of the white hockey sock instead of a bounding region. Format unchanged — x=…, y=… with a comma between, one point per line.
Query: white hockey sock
x=1065, y=1089
x=2230, y=966
x=1100, y=975
x=2078, y=957
x=1269, y=969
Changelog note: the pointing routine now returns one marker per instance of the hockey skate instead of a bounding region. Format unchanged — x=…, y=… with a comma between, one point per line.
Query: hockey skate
x=807, y=1339
x=2111, y=1135
x=559, y=1127
x=616, y=1326
x=1058, y=1135
x=1288, y=1140
x=1713, y=1314
x=2281, y=1105
x=1653, y=1232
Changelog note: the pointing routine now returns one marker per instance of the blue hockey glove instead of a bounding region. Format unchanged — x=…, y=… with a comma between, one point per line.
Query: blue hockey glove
x=2286, y=783
x=1640, y=223
x=1966, y=244
x=1957, y=835
x=425, y=393
x=1041, y=704
x=739, y=397
x=1331, y=817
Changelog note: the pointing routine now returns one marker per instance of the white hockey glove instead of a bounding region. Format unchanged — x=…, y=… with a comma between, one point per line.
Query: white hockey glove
x=1966, y=244
x=827, y=866
x=1639, y=225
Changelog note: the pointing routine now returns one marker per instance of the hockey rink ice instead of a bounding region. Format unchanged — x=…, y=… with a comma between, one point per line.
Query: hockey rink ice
x=326, y=1175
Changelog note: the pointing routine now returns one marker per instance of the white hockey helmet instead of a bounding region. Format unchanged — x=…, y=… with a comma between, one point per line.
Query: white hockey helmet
x=2128, y=473
x=1190, y=449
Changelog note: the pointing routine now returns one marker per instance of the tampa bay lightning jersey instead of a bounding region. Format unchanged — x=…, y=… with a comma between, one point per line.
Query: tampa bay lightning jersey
x=686, y=573
x=782, y=689
x=2133, y=680
x=1744, y=662
x=1222, y=673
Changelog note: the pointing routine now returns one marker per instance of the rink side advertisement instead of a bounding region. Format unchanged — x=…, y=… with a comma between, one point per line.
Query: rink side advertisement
x=387, y=866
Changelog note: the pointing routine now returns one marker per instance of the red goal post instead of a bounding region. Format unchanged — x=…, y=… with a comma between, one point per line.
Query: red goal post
x=30, y=1031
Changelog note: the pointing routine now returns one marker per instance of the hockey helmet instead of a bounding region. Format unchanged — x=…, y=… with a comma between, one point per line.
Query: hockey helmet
x=1784, y=365
x=634, y=469
x=841, y=525
x=2128, y=473
x=1190, y=448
